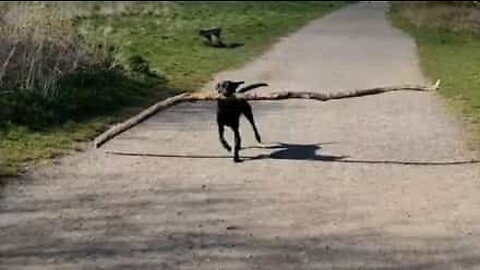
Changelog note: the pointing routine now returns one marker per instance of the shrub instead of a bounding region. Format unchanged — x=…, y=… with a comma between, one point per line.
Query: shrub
x=49, y=74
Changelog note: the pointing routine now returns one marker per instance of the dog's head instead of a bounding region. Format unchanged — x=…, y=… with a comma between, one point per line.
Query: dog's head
x=228, y=88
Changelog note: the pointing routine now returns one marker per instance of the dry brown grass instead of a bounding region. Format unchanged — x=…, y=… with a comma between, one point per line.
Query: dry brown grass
x=38, y=48
x=12, y=12
x=463, y=17
x=39, y=42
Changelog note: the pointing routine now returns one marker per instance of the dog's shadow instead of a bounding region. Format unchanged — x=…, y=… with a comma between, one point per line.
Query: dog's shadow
x=290, y=151
x=226, y=46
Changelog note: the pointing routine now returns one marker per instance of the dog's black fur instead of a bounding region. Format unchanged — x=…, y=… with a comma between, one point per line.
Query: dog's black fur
x=229, y=110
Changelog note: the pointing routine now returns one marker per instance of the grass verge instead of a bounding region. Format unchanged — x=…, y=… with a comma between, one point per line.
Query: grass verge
x=449, y=49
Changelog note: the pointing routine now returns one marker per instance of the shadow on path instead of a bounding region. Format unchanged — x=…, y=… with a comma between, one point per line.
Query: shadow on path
x=308, y=152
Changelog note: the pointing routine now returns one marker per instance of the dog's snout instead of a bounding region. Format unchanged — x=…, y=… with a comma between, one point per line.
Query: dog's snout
x=221, y=88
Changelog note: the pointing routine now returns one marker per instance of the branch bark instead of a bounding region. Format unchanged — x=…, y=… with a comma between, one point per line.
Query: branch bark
x=315, y=95
x=121, y=127
x=185, y=97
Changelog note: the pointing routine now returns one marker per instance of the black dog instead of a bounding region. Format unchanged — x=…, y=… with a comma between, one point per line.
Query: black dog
x=229, y=110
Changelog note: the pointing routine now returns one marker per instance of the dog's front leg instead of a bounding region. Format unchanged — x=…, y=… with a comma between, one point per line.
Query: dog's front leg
x=238, y=145
x=225, y=145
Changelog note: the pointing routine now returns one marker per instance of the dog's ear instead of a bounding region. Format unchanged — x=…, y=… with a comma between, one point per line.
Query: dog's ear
x=234, y=85
x=228, y=87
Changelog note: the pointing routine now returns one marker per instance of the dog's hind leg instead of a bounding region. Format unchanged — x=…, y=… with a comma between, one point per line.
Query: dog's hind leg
x=249, y=115
x=221, y=130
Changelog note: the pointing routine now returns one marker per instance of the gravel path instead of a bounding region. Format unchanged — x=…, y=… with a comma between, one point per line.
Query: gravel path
x=328, y=192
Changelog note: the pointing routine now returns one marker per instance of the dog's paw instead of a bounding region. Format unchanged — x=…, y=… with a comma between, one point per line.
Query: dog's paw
x=227, y=147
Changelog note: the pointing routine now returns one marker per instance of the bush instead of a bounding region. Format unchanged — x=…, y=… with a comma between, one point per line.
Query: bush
x=97, y=90
x=39, y=50
x=49, y=75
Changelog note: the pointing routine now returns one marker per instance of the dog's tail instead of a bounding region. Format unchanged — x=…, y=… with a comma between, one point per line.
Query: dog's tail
x=251, y=87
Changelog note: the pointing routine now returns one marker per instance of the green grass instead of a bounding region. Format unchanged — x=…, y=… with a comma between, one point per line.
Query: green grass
x=166, y=36
x=171, y=44
x=453, y=57
x=19, y=145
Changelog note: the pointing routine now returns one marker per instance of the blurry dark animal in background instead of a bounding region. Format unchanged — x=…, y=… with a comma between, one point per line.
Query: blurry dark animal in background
x=212, y=37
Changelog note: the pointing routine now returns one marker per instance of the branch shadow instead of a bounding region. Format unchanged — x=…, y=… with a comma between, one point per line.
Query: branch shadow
x=193, y=227
x=305, y=152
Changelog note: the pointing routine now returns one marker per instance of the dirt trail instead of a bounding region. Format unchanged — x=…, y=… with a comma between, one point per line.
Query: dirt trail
x=324, y=198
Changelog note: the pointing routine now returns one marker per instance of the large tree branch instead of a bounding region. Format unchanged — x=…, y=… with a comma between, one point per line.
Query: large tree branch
x=315, y=95
x=185, y=97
